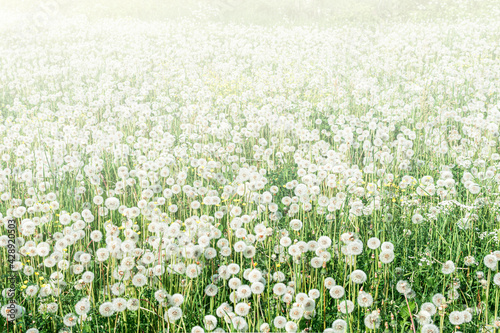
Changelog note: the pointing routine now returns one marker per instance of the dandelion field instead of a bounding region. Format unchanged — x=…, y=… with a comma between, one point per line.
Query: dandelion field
x=206, y=177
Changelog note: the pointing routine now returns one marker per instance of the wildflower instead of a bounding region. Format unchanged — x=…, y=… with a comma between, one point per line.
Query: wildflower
x=106, y=309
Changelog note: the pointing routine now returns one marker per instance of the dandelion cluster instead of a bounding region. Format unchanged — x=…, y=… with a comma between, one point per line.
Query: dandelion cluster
x=228, y=178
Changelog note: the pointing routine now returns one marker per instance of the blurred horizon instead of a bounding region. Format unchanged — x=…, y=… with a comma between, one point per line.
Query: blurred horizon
x=259, y=12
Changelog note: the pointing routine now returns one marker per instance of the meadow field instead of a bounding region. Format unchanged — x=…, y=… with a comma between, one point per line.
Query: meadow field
x=197, y=176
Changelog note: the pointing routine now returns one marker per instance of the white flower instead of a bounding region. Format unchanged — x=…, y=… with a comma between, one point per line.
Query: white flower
x=373, y=243
x=173, y=314
x=448, y=267
x=106, y=309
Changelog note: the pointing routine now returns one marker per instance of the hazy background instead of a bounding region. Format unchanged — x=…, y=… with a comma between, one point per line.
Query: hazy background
x=322, y=12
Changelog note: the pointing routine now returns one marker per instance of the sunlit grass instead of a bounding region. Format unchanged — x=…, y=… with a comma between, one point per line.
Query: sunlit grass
x=188, y=177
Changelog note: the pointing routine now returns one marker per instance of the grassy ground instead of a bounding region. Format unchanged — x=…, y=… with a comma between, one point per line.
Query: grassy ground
x=197, y=175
